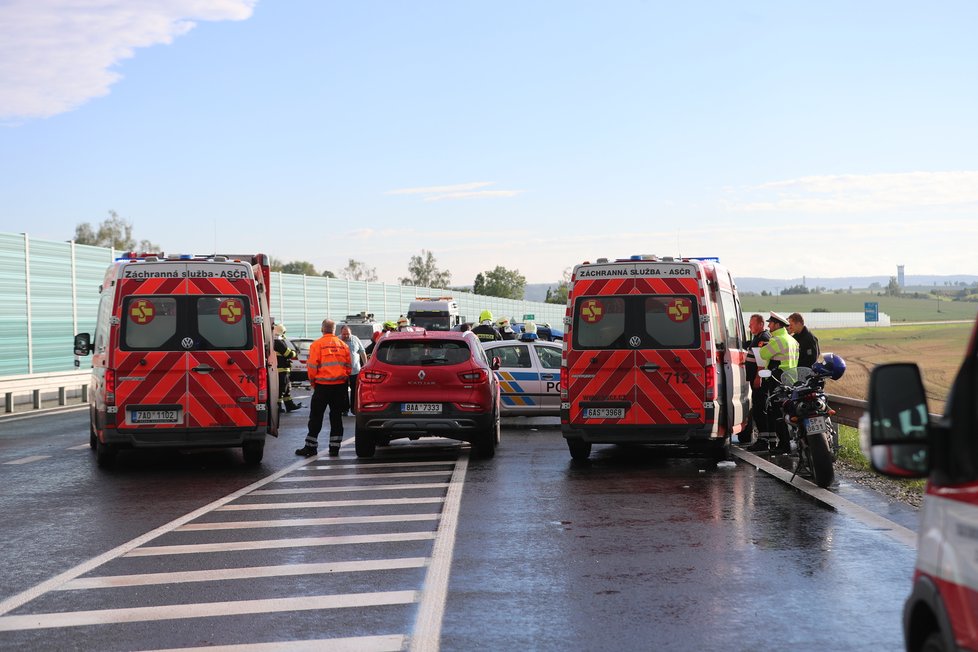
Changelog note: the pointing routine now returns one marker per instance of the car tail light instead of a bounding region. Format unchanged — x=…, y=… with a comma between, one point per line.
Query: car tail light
x=372, y=377
x=474, y=376
x=471, y=406
x=109, y=386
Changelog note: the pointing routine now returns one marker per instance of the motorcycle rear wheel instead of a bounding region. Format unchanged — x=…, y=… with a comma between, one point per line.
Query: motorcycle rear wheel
x=820, y=460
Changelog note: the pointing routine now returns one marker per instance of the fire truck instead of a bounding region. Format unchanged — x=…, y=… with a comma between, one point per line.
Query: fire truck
x=439, y=313
x=182, y=355
x=654, y=353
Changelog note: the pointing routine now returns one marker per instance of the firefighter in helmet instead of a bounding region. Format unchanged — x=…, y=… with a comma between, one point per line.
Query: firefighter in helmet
x=485, y=331
x=284, y=355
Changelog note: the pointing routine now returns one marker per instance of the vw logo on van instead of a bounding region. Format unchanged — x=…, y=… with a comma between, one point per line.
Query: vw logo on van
x=634, y=341
x=187, y=342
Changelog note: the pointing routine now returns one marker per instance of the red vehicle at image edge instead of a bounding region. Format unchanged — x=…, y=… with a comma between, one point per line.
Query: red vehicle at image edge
x=182, y=355
x=654, y=353
x=902, y=440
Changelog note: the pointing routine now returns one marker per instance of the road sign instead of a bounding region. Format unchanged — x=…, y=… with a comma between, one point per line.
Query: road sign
x=528, y=317
x=872, y=309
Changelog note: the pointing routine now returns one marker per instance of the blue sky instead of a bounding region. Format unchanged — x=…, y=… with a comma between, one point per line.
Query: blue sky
x=788, y=138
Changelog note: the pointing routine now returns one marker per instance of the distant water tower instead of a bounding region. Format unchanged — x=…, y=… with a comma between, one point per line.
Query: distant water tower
x=900, y=275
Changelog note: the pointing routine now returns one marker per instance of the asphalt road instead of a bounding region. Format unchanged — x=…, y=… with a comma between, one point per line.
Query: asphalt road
x=423, y=548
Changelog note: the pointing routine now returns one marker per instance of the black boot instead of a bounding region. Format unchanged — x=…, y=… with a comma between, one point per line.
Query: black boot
x=306, y=451
x=292, y=406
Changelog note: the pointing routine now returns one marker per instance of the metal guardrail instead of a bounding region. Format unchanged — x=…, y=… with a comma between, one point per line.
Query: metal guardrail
x=847, y=410
x=34, y=389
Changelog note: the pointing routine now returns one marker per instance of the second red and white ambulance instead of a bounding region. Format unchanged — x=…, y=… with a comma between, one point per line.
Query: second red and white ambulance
x=654, y=353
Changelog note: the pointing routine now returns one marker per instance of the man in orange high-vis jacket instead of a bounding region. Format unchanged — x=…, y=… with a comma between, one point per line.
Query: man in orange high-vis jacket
x=329, y=366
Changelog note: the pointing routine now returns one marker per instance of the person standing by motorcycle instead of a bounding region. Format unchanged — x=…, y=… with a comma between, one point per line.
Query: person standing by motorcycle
x=284, y=355
x=758, y=391
x=807, y=342
x=782, y=349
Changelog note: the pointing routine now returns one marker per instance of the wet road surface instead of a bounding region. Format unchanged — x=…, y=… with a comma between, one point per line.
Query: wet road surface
x=632, y=551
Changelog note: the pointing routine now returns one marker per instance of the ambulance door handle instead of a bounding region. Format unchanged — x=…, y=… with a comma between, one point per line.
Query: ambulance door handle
x=203, y=369
x=650, y=366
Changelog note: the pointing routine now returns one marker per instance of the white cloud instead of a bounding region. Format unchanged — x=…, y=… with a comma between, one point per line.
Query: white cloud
x=860, y=193
x=55, y=55
x=457, y=191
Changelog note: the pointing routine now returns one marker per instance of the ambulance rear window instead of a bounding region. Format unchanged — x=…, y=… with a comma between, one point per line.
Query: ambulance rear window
x=661, y=321
x=186, y=323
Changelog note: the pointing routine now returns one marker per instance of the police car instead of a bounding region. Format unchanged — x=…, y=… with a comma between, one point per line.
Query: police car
x=529, y=376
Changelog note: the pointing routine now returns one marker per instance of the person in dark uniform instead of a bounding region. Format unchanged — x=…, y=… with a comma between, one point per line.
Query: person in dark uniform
x=485, y=331
x=284, y=355
x=807, y=342
x=758, y=390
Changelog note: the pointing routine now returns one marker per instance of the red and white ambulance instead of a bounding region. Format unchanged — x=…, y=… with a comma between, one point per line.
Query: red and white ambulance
x=654, y=353
x=182, y=355
x=902, y=440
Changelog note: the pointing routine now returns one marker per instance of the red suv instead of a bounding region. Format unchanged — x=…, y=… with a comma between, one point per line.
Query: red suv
x=422, y=383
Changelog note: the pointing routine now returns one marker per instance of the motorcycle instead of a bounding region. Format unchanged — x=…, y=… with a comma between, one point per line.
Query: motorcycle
x=800, y=398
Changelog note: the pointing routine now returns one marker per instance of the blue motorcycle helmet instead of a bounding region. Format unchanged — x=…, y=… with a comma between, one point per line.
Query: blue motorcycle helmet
x=832, y=365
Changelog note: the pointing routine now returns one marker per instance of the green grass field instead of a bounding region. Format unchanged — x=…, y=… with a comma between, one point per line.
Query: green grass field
x=899, y=309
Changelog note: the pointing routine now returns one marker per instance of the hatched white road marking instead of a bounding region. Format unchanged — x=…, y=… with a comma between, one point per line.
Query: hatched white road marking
x=204, y=610
x=392, y=643
x=380, y=502
x=301, y=522
x=362, y=476
x=28, y=460
x=263, y=544
x=79, y=447
x=333, y=490
x=219, y=574
x=374, y=465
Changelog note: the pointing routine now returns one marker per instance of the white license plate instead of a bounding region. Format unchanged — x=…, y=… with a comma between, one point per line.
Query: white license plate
x=155, y=416
x=421, y=408
x=816, y=425
x=604, y=413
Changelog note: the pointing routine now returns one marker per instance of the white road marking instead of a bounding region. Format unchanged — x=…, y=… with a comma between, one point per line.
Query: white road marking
x=361, y=476
x=11, y=603
x=301, y=522
x=375, y=465
x=392, y=643
x=329, y=503
x=204, y=610
x=28, y=460
x=431, y=610
x=263, y=544
x=247, y=573
x=330, y=490
x=80, y=447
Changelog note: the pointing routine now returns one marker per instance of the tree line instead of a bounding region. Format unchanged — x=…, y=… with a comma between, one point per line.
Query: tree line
x=422, y=269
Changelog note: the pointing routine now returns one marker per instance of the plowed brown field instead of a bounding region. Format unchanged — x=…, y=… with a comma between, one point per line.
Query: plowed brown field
x=937, y=348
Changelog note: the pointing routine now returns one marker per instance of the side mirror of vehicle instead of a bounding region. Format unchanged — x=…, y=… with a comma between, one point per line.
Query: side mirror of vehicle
x=895, y=432
x=83, y=344
x=495, y=364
